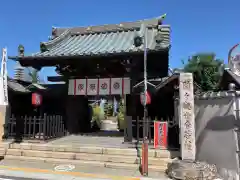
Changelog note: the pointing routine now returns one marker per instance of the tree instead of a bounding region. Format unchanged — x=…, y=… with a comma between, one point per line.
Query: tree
x=33, y=73
x=206, y=69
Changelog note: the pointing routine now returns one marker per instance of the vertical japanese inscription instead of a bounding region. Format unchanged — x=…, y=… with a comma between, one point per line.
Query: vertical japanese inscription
x=187, y=118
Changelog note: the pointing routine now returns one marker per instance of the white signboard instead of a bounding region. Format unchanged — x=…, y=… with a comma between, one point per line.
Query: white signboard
x=92, y=86
x=187, y=117
x=105, y=86
x=117, y=86
x=80, y=87
x=3, y=80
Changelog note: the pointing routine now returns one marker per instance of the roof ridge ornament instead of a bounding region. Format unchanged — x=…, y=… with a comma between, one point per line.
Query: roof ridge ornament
x=54, y=32
x=160, y=19
x=89, y=29
x=120, y=26
x=138, y=40
x=21, y=50
x=43, y=47
x=47, y=45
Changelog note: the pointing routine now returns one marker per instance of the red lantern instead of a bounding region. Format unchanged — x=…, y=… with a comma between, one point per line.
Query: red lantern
x=147, y=98
x=36, y=99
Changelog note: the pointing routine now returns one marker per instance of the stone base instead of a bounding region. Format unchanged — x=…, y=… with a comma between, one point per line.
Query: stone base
x=3, y=113
x=180, y=169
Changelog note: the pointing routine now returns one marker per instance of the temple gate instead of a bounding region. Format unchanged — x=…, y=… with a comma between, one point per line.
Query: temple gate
x=103, y=60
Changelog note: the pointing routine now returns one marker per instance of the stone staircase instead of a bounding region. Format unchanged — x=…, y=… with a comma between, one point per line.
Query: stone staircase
x=87, y=156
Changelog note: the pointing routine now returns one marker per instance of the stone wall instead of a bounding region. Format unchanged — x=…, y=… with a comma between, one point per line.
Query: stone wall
x=216, y=131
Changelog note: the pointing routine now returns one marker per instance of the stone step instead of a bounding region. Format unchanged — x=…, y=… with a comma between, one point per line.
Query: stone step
x=5, y=145
x=108, y=125
x=92, y=164
x=93, y=150
x=2, y=152
x=87, y=157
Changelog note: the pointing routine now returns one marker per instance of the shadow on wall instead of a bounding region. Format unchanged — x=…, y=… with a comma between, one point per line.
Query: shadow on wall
x=215, y=138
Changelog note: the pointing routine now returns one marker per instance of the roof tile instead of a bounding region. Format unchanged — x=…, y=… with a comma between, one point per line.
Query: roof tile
x=106, y=39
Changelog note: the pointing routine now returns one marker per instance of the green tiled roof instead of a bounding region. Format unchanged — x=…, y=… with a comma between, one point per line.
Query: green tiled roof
x=105, y=39
x=16, y=86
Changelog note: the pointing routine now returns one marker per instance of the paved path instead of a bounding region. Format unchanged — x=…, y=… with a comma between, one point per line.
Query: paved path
x=36, y=170
x=93, y=139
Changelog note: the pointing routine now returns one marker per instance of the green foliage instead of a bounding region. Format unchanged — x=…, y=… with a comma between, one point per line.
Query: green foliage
x=34, y=75
x=206, y=70
x=97, y=115
x=120, y=116
x=108, y=109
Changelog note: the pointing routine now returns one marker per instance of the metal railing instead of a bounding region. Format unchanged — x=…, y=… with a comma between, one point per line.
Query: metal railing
x=36, y=128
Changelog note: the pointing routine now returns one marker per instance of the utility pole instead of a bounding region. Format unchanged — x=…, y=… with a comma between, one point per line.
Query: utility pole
x=145, y=123
x=145, y=98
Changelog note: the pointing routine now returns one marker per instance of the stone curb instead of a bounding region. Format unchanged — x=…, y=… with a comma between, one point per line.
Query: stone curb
x=85, y=149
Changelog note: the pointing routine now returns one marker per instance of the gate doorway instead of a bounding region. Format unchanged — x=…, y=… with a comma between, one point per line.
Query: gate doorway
x=102, y=52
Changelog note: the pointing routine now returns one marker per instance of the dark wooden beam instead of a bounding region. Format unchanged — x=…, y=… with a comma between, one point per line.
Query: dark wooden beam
x=56, y=78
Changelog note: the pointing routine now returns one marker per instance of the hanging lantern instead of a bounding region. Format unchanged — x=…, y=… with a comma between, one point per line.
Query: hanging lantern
x=36, y=99
x=146, y=98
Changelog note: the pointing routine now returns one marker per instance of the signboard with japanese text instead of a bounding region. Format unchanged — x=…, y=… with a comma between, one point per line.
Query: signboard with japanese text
x=105, y=86
x=92, y=87
x=160, y=134
x=36, y=99
x=80, y=87
x=117, y=86
x=187, y=117
x=3, y=81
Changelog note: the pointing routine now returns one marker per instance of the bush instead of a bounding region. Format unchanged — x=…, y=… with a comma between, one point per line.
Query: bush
x=120, y=117
x=108, y=109
x=98, y=116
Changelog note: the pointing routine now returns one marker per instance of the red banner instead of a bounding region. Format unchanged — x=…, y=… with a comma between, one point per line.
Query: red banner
x=160, y=134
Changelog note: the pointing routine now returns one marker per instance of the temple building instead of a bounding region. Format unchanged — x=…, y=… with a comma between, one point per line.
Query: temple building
x=104, y=60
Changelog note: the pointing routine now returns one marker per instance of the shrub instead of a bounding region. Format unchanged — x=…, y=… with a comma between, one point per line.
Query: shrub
x=98, y=116
x=120, y=116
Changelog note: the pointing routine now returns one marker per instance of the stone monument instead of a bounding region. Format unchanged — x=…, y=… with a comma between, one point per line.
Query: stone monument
x=187, y=117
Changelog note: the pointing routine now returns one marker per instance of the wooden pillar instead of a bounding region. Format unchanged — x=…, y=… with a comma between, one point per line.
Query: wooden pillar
x=187, y=117
x=129, y=101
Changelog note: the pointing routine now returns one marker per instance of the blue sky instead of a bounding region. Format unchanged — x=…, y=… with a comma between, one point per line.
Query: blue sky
x=197, y=26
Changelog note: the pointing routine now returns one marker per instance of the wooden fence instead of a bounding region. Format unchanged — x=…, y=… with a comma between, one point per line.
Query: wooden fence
x=138, y=128
x=32, y=127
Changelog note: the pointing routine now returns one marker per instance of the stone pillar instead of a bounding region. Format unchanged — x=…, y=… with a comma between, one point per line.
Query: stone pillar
x=187, y=117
